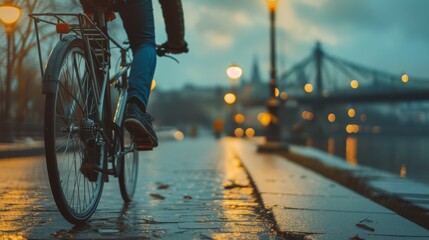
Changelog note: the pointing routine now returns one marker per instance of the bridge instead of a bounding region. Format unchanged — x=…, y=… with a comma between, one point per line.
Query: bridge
x=326, y=94
x=324, y=79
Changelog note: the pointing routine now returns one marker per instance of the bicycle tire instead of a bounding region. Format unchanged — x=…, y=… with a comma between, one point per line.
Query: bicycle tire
x=128, y=167
x=71, y=117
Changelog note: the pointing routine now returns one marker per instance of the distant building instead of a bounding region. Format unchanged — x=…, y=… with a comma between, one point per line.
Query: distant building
x=253, y=95
x=196, y=105
x=254, y=91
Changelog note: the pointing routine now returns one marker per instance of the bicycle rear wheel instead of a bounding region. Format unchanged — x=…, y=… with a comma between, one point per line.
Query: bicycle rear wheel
x=73, y=143
x=128, y=167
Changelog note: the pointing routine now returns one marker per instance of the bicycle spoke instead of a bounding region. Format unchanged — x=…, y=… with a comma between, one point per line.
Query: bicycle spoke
x=74, y=104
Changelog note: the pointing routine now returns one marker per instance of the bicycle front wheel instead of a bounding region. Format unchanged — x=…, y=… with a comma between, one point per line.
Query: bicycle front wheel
x=128, y=167
x=73, y=142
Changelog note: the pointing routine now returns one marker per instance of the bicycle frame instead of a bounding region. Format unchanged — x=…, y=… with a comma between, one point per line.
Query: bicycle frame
x=97, y=43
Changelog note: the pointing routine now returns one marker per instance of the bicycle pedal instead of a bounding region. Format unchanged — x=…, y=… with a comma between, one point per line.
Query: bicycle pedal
x=143, y=144
x=143, y=147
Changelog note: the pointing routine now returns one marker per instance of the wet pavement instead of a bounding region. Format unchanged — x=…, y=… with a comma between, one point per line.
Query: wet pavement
x=307, y=205
x=403, y=195
x=194, y=189
x=200, y=189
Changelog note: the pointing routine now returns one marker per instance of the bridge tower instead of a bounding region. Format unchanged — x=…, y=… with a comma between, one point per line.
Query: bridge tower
x=318, y=57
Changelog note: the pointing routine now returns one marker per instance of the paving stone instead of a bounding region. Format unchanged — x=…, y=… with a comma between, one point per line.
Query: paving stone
x=305, y=204
x=197, y=169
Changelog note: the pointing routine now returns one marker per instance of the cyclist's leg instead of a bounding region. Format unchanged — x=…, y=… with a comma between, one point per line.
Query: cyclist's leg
x=137, y=16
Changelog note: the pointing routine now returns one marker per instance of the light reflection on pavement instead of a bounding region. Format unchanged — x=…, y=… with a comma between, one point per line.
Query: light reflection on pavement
x=194, y=189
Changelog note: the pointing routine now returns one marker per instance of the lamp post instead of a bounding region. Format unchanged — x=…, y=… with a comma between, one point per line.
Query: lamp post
x=273, y=129
x=9, y=15
x=234, y=73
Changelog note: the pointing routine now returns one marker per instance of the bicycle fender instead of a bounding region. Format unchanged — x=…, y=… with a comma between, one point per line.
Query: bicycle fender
x=50, y=79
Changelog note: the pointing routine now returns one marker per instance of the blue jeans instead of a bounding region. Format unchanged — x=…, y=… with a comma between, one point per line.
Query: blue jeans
x=137, y=16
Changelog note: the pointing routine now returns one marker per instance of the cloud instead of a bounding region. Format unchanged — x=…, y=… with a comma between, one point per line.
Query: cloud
x=217, y=40
x=386, y=34
x=219, y=22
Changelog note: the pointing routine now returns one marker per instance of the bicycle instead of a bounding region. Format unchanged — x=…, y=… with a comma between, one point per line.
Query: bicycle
x=85, y=141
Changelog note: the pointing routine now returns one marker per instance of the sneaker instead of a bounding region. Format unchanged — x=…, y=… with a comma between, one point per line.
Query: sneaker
x=139, y=124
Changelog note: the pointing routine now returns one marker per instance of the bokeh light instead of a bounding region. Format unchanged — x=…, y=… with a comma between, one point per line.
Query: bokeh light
x=234, y=72
x=264, y=118
x=230, y=98
x=354, y=84
x=153, y=85
x=351, y=112
x=239, y=132
x=331, y=117
x=404, y=78
x=250, y=132
x=239, y=118
x=308, y=88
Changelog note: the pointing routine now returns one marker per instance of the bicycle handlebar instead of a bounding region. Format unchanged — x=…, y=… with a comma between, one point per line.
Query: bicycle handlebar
x=162, y=50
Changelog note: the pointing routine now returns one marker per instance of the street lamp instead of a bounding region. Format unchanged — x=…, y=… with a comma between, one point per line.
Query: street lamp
x=273, y=129
x=9, y=15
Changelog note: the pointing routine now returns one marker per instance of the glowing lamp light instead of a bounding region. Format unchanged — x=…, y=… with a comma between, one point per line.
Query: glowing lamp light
x=354, y=84
x=272, y=4
x=351, y=112
x=250, y=132
x=153, y=85
x=9, y=14
x=306, y=115
x=234, y=72
x=404, y=78
x=239, y=132
x=264, y=118
x=239, y=118
x=276, y=92
x=352, y=128
x=179, y=136
x=332, y=117
x=308, y=88
x=230, y=98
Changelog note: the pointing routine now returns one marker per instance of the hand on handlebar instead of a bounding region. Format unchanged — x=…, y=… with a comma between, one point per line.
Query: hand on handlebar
x=166, y=48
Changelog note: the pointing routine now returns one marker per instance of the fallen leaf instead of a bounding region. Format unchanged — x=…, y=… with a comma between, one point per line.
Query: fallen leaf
x=187, y=197
x=157, y=196
x=62, y=234
x=365, y=227
x=163, y=186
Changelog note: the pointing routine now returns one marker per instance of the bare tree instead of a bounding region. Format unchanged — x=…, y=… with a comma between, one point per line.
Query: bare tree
x=24, y=74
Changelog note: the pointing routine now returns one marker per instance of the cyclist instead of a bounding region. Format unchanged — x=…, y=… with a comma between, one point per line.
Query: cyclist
x=138, y=21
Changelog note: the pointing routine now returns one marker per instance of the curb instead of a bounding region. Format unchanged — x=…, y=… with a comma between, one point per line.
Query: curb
x=361, y=180
x=22, y=153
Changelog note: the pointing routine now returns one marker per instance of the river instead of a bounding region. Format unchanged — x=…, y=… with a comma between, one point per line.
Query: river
x=406, y=156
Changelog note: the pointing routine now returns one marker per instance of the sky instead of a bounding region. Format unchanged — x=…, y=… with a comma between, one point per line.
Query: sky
x=388, y=35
